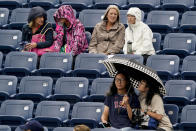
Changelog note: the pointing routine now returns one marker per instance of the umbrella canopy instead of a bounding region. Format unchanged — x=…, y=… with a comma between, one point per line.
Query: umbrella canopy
x=135, y=70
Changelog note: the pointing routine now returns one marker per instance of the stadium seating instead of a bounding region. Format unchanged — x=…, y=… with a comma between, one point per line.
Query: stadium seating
x=4, y=14
x=63, y=129
x=18, y=129
x=12, y=4
x=55, y=65
x=5, y=128
x=103, y=4
x=156, y=41
x=46, y=4
x=20, y=63
x=163, y=21
x=71, y=89
x=138, y=58
x=188, y=69
x=188, y=24
x=99, y=88
x=88, y=36
x=52, y=113
x=106, y=129
x=1, y=61
x=88, y=113
x=35, y=88
x=8, y=86
x=15, y=112
x=188, y=119
x=10, y=40
x=180, y=92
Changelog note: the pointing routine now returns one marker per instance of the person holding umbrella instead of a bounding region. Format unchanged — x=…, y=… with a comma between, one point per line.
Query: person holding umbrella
x=119, y=103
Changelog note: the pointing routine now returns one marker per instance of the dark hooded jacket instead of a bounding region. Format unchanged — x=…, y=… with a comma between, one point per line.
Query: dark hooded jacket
x=27, y=31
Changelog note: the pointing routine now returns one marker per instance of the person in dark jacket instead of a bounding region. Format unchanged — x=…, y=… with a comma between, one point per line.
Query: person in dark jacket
x=36, y=22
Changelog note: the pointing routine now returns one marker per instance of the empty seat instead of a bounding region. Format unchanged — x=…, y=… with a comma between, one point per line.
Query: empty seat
x=167, y=66
x=4, y=14
x=138, y=58
x=188, y=69
x=88, y=65
x=181, y=44
x=5, y=128
x=103, y=4
x=107, y=129
x=10, y=40
x=88, y=36
x=188, y=119
x=7, y=86
x=1, y=61
x=156, y=41
x=172, y=111
x=55, y=65
x=188, y=22
x=18, y=18
x=46, y=4
x=72, y=89
x=163, y=21
x=145, y=5
x=18, y=129
x=78, y=4
x=12, y=4
x=99, y=88
x=63, y=129
x=180, y=92
x=15, y=112
x=20, y=63
x=52, y=113
x=35, y=88
x=88, y=113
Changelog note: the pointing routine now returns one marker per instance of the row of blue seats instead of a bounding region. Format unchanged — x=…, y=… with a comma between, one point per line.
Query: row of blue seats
x=181, y=5
x=56, y=113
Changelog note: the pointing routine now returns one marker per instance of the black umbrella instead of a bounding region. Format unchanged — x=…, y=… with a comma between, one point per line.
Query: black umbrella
x=135, y=70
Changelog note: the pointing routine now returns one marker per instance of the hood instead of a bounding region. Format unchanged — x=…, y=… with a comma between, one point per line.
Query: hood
x=107, y=10
x=137, y=13
x=65, y=11
x=36, y=12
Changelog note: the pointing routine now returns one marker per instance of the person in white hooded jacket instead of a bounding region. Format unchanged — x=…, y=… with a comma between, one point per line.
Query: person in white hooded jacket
x=138, y=34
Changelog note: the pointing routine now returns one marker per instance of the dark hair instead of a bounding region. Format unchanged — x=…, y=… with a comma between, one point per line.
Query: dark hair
x=151, y=92
x=113, y=89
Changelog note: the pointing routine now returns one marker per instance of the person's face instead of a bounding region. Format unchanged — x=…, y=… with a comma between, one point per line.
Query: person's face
x=112, y=15
x=65, y=21
x=131, y=19
x=142, y=87
x=120, y=82
x=39, y=20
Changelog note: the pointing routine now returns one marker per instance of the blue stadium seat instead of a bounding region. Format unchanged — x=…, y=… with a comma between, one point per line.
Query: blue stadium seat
x=15, y=112
x=106, y=129
x=1, y=61
x=8, y=86
x=88, y=113
x=179, y=5
x=10, y=40
x=4, y=14
x=71, y=89
x=99, y=88
x=12, y=4
x=188, y=119
x=145, y=5
x=20, y=63
x=78, y=4
x=103, y=4
x=52, y=113
x=167, y=66
x=88, y=65
x=18, y=129
x=188, y=22
x=180, y=92
x=35, y=88
x=5, y=128
x=138, y=58
x=188, y=69
x=181, y=44
x=163, y=21
x=63, y=129
x=172, y=111
x=89, y=24
x=88, y=36
x=46, y=4
x=156, y=41
x=55, y=65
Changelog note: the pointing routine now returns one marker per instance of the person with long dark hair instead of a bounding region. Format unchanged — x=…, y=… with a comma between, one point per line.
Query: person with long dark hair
x=152, y=105
x=119, y=103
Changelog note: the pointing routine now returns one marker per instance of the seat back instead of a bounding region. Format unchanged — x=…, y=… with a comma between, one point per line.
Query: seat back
x=88, y=36
x=172, y=112
x=56, y=109
x=138, y=58
x=188, y=63
x=36, y=84
x=103, y=4
x=12, y=4
x=63, y=129
x=175, y=4
x=22, y=108
x=156, y=41
x=4, y=14
x=5, y=128
x=26, y=60
x=153, y=3
x=187, y=114
x=46, y=4
x=78, y=4
x=1, y=60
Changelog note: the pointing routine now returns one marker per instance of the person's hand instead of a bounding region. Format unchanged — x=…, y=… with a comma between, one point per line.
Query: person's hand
x=125, y=101
x=30, y=46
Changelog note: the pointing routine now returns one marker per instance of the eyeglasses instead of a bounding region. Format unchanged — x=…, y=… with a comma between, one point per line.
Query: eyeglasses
x=119, y=80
